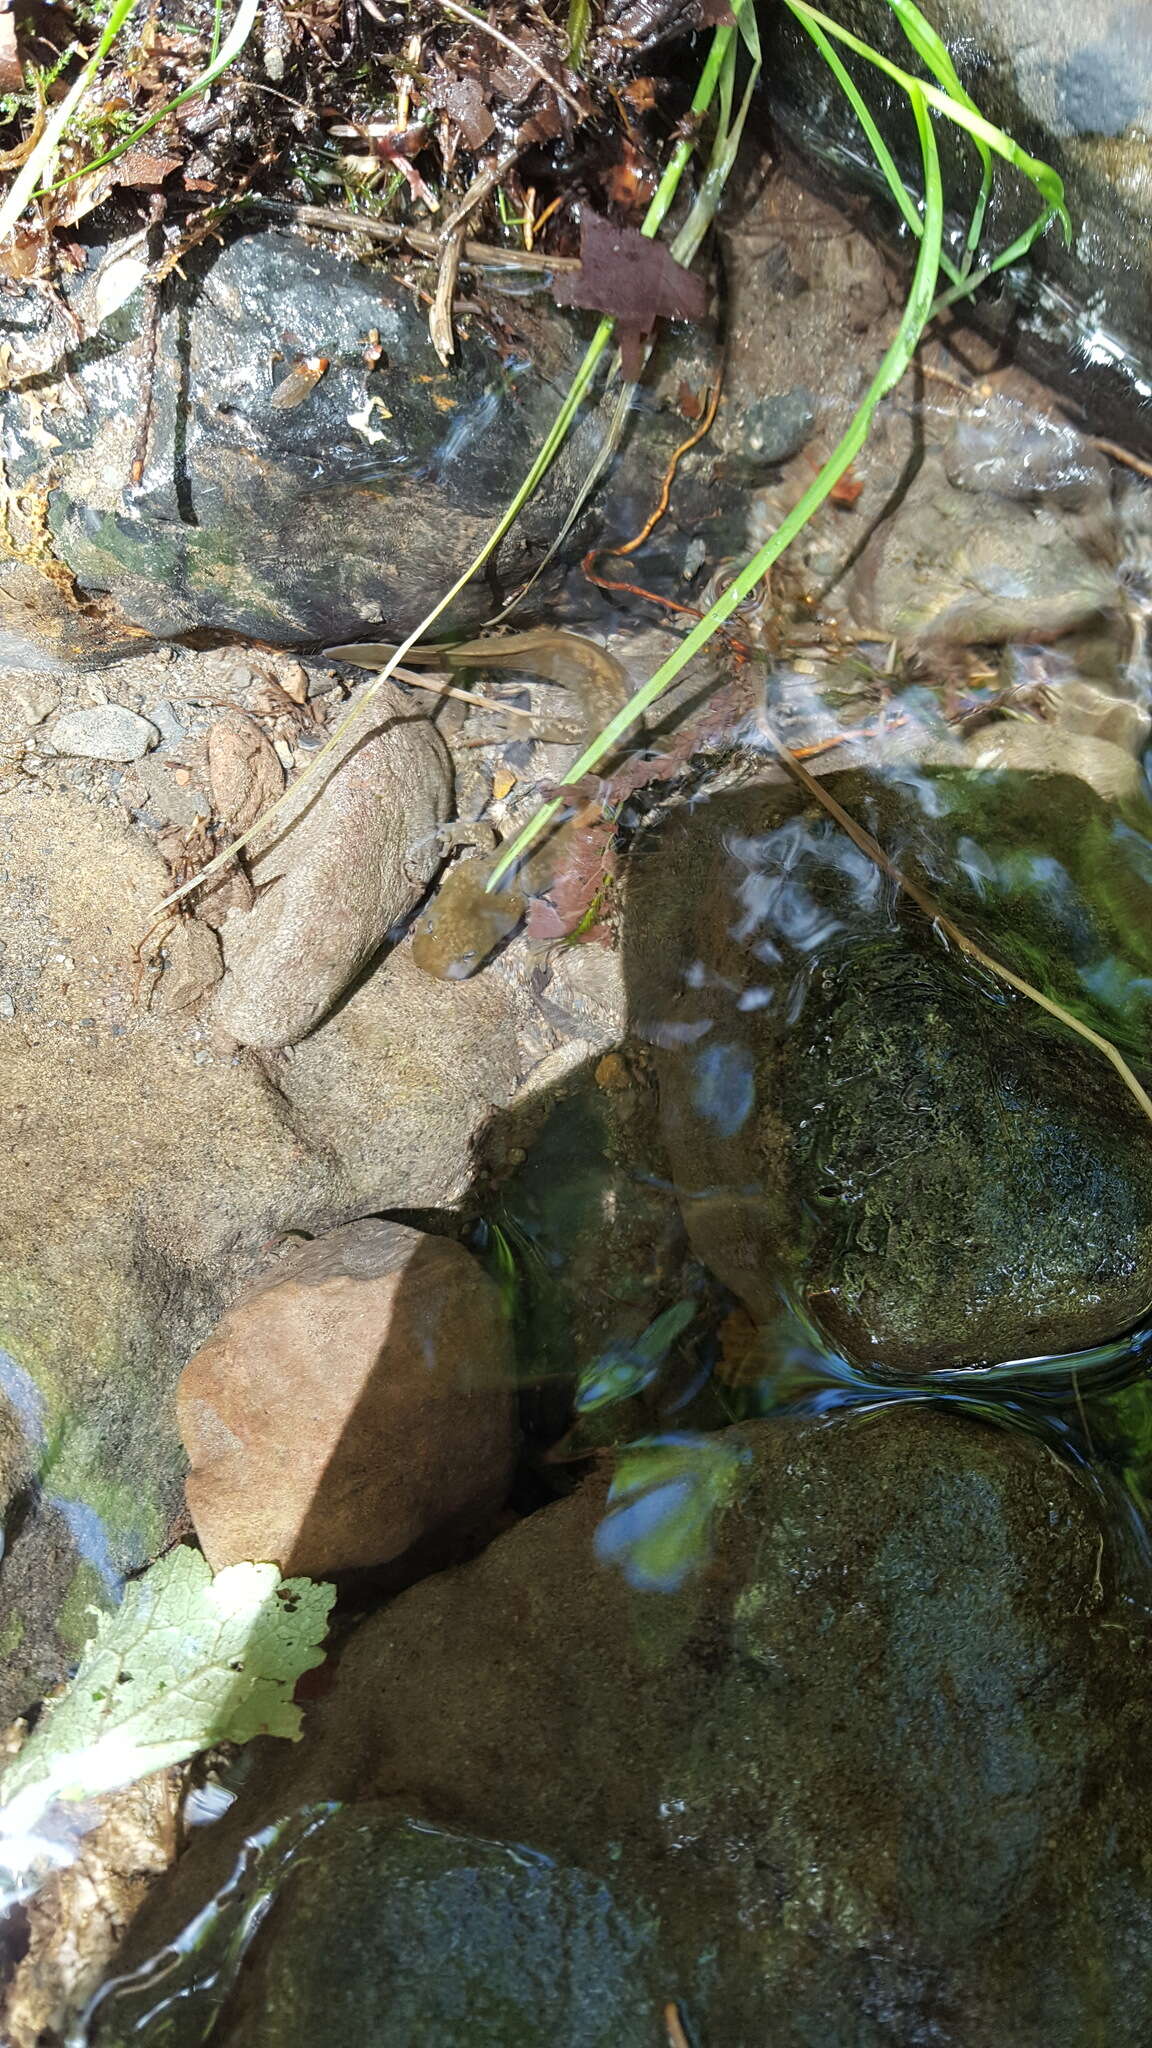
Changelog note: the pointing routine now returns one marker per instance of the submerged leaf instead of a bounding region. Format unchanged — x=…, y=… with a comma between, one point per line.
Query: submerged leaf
x=626, y=1369
x=187, y=1660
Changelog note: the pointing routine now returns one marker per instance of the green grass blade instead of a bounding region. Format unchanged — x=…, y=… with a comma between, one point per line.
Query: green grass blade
x=879, y=147
x=1016, y=250
x=933, y=52
x=728, y=136
x=579, y=23
x=917, y=312
x=24, y=185
x=227, y=54
x=1046, y=180
x=554, y=440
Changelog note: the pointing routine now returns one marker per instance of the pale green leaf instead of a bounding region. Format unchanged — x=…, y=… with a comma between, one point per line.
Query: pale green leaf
x=187, y=1660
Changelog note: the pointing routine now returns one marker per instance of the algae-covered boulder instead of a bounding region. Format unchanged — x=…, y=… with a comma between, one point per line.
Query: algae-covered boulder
x=397, y=1931
x=836, y=1732
x=865, y=1123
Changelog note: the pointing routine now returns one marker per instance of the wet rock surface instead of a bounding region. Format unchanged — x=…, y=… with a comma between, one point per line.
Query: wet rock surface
x=1072, y=83
x=302, y=522
x=412, y=1934
x=879, y=1752
x=353, y=1405
x=857, y=1121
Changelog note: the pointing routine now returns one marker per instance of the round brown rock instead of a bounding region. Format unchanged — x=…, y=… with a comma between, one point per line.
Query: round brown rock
x=355, y=1405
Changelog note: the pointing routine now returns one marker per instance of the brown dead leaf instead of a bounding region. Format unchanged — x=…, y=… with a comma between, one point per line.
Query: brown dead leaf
x=630, y=275
x=24, y=251
x=630, y=182
x=244, y=772
x=462, y=99
x=641, y=94
x=577, y=895
x=143, y=168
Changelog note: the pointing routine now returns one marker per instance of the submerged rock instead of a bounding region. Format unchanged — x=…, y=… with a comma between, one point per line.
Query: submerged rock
x=859, y=1121
x=409, y=1934
x=869, y=1767
x=991, y=571
x=354, y=1405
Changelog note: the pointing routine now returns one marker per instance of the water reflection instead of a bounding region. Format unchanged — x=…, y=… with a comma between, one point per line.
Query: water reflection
x=1092, y=1409
x=176, y=1995
x=662, y=1503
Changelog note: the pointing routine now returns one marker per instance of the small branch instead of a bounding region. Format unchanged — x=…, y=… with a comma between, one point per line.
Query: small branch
x=451, y=239
x=149, y=330
x=482, y=184
x=441, y=688
x=523, y=56
x=1124, y=455
x=440, y=317
x=344, y=220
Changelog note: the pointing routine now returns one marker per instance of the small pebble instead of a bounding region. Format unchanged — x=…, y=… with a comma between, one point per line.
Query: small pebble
x=37, y=701
x=106, y=732
x=7, y=1008
x=168, y=722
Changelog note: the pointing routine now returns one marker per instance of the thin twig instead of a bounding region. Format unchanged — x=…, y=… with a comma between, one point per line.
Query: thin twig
x=651, y=523
x=149, y=331
x=1123, y=455
x=524, y=56
x=473, y=255
x=440, y=688
x=440, y=329
x=482, y=184
x=451, y=239
x=670, y=604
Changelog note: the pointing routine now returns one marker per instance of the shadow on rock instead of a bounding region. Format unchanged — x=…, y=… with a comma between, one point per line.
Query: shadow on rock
x=823, y=1727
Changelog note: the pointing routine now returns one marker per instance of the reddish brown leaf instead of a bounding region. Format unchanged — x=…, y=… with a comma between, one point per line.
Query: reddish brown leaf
x=641, y=94
x=22, y=253
x=462, y=99
x=628, y=183
x=847, y=490
x=627, y=274
x=299, y=382
x=577, y=887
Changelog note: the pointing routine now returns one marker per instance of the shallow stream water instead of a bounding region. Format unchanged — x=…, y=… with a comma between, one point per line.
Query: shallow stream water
x=835, y=1168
